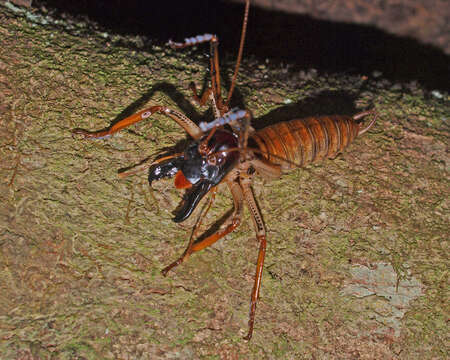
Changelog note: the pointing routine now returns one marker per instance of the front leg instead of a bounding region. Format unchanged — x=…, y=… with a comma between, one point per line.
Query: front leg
x=187, y=124
x=214, y=92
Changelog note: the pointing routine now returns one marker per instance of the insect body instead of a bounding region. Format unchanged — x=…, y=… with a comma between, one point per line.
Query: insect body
x=309, y=140
x=227, y=150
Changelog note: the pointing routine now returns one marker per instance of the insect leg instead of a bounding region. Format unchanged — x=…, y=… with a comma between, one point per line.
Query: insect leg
x=365, y=113
x=188, y=250
x=205, y=96
x=187, y=124
x=266, y=169
x=214, y=91
x=261, y=235
x=233, y=222
x=215, y=79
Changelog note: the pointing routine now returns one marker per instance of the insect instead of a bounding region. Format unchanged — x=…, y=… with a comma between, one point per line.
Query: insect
x=228, y=150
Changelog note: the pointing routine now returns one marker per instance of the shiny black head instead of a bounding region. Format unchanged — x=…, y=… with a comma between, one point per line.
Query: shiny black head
x=202, y=166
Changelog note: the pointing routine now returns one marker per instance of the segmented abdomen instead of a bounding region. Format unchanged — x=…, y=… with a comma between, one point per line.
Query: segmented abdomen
x=304, y=141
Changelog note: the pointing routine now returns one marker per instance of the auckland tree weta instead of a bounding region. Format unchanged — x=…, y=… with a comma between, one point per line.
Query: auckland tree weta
x=228, y=150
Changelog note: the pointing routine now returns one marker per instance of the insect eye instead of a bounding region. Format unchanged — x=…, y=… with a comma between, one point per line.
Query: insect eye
x=203, y=149
x=211, y=160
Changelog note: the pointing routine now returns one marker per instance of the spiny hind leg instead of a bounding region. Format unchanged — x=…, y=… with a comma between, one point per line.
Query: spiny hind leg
x=261, y=236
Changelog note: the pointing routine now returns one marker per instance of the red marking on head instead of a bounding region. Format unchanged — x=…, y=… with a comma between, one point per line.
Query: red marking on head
x=181, y=182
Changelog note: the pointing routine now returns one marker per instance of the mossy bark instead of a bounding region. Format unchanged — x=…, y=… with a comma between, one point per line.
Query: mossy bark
x=81, y=250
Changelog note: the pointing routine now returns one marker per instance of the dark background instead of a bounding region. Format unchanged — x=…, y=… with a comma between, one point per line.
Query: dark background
x=298, y=40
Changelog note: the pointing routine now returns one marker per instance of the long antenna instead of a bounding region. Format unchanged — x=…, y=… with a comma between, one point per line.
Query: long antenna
x=241, y=49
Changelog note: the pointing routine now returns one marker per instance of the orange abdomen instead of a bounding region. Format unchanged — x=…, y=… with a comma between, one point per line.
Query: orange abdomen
x=304, y=141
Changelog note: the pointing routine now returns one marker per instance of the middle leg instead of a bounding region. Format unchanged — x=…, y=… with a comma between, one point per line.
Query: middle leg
x=233, y=222
x=187, y=124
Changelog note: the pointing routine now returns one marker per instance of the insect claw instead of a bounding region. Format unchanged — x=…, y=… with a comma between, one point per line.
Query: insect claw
x=191, y=200
x=164, y=169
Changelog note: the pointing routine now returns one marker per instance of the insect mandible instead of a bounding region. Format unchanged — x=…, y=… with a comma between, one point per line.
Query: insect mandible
x=228, y=150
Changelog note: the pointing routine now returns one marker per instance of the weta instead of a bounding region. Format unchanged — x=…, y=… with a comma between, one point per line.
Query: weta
x=228, y=150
